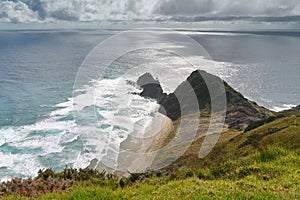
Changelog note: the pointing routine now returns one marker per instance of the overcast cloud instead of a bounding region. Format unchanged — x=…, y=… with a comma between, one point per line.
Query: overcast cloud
x=148, y=10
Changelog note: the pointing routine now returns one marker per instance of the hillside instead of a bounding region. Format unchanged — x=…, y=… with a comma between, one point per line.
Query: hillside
x=262, y=163
x=256, y=157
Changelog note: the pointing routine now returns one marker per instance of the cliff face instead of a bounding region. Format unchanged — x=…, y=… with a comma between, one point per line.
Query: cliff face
x=240, y=111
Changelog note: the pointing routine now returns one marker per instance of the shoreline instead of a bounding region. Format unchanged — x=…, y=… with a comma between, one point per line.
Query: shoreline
x=150, y=149
x=134, y=153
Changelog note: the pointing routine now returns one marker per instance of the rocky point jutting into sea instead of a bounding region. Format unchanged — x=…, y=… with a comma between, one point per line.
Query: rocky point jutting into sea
x=239, y=113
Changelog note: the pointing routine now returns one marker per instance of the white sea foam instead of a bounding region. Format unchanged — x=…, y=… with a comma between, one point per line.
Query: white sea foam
x=2, y=142
x=48, y=135
x=63, y=108
x=124, y=113
x=21, y=164
x=283, y=107
x=16, y=134
x=49, y=143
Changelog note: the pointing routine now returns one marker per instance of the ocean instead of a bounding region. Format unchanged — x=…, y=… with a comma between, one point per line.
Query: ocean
x=38, y=69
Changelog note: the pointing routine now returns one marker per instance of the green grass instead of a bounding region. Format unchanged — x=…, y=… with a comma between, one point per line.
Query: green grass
x=273, y=173
x=263, y=163
x=251, y=178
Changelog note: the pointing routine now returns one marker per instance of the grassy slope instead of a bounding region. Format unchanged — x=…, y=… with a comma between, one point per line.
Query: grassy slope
x=263, y=163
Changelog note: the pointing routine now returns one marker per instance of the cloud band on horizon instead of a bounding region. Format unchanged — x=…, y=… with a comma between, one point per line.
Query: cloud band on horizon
x=19, y=11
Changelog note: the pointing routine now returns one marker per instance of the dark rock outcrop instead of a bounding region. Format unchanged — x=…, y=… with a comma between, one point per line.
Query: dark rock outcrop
x=151, y=87
x=240, y=111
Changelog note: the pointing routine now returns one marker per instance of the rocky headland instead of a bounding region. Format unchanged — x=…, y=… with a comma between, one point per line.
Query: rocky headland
x=240, y=111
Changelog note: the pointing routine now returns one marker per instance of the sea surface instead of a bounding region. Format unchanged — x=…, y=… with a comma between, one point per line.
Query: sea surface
x=38, y=69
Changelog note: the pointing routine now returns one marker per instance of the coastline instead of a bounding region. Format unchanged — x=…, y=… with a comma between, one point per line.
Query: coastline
x=158, y=140
x=138, y=152
x=157, y=137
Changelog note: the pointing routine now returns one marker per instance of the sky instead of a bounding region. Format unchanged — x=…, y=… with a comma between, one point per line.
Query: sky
x=152, y=11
